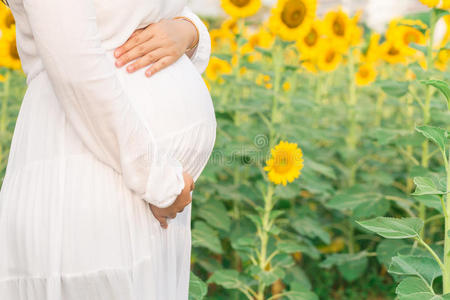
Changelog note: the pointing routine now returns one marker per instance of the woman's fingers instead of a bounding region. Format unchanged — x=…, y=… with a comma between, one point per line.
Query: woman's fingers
x=139, y=51
x=162, y=221
x=159, y=65
x=135, y=38
x=147, y=59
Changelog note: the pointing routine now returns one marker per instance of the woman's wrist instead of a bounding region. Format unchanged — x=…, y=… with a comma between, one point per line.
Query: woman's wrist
x=195, y=35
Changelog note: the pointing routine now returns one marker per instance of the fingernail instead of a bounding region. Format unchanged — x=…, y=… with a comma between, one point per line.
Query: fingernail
x=118, y=63
x=117, y=53
x=130, y=68
x=148, y=73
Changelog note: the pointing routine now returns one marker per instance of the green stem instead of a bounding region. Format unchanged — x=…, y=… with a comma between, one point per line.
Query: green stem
x=278, y=66
x=264, y=237
x=351, y=237
x=379, y=109
x=446, y=271
x=426, y=113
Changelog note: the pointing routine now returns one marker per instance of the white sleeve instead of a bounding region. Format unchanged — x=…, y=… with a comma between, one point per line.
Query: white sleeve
x=86, y=84
x=202, y=52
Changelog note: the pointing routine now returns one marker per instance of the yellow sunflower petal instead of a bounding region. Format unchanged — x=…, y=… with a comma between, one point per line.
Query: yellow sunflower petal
x=241, y=8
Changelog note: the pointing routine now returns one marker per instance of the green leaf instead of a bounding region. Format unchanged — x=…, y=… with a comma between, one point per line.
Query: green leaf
x=205, y=236
x=442, y=86
x=311, y=228
x=351, y=266
x=297, y=279
x=301, y=294
x=392, y=228
x=290, y=246
x=197, y=288
x=256, y=219
x=440, y=13
x=387, y=249
x=425, y=268
x=385, y=136
x=353, y=269
x=361, y=201
x=215, y=214
x=378, y=206
x=413, y=287
x=435, y=134
x=244, y=243
x=423, y=16
x=426, y=186
x=431, y=201
x=320, y=168
x=229, y=279
x=394, y=88
x=418, y=47
x=267, y=277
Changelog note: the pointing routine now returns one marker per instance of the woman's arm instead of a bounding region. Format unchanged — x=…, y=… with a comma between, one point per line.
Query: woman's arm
x=202, y=52
x=86, y=84
x=163, y=43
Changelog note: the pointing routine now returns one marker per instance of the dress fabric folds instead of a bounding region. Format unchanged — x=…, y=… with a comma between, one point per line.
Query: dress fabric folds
x=92, y=147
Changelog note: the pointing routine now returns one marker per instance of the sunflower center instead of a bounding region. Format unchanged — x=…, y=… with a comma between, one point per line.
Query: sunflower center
x=293, y=13
x=329, y=57
x=364, y=73
x=13, y=50
x=410, y=37
x=393, y=51
x=339, y=26
x=311, y=38
x=240, y=3
x=283, y=162
x=9, y=20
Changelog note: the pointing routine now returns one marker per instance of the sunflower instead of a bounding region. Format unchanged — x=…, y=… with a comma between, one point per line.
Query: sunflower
x=340, y=27
x=445, y=4
x=393, y=52
x=329, y=57
x=310, y=66
x=404, y=32
x=366, y=74
x=262, y=39
x=241, y=8
x=285, y=163
x=430, y=3
x=8, y=49
x=262, y=79
x=373, y=50
x=216, y=67
x=310, y=42
x=222, y=39
x=6, y=17
x=230, y=26
x=442, y=59
x=291, y=19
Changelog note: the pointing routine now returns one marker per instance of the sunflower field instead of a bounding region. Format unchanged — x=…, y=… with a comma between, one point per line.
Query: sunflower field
x=330, y=177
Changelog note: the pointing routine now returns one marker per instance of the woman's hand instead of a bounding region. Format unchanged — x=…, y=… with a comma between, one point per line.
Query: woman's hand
x=160, y=43
x=161, y=214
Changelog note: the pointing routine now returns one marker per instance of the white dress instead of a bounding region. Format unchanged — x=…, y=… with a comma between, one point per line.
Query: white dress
x=92, y=146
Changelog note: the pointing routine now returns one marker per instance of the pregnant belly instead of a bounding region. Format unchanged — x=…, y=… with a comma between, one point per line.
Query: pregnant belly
x=177, y=107
x=171, y=100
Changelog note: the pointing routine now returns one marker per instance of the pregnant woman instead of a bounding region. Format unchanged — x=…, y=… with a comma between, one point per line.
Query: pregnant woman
x=101, y=156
